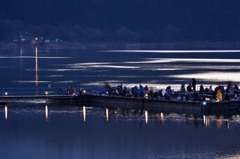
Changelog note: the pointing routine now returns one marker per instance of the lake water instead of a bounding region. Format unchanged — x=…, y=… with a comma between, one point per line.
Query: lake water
x=91, y=68
x=51, y=131
x=33, y=129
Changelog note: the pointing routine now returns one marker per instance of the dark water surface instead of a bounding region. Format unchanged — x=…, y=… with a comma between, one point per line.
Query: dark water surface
x=32, y=129
x=50, y=131
x=82, y=68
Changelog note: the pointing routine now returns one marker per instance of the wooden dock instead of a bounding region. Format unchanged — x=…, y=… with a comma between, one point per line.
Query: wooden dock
x=150, y=104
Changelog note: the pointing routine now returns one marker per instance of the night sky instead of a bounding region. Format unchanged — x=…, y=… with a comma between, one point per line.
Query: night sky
x=140, y=20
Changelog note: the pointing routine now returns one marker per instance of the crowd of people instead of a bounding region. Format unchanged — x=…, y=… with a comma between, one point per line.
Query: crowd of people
x=189, y=93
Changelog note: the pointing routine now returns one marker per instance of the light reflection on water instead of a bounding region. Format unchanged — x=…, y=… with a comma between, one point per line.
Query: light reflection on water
x=216, y=76
x=115, y=133
x=84, y=113
x=80, y=68
x=174, y=51
x=31, y=57
x=169, y=60
x=6, y=112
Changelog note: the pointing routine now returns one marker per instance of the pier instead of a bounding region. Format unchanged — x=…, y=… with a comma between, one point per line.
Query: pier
x=151, y=104
x=58, y=96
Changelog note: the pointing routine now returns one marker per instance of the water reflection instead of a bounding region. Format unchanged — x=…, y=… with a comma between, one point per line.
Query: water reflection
x=133, y=115
x=139, y=68
x=161, y=130
x=204, y=120
x=174, y=51
x=99, y=65
x=84, y=113
x=146, y=117
x=21, y=63
x=6, y=113
x=172, y=60
x=219, y=122
x=216, y=76
x=32, y=57
x=106, y=114
x=36, y=67
x=46, y=112
x=161, y=116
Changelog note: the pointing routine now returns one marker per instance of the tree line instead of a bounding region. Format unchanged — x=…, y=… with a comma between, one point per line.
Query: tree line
x=123, y=20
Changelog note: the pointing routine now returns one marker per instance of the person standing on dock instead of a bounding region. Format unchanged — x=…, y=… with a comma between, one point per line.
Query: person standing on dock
x=182, y=88
x=219, y=96
x=103, y=92
x=141, y=91
x=194, y=84
x=146, y=88
x=73, y=90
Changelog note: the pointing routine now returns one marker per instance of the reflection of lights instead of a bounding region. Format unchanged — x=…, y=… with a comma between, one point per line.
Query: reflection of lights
x=84, y=113
x=36, y=67
x=218, y=76
x=146, y=116
x=228, y=125
x=6, y=112
x=174, y=51
x=115, y=112
x=46, y=112
x=6, y=93
x=162, y=116
x=204, y=121
x=219, y=123
x=107, y=114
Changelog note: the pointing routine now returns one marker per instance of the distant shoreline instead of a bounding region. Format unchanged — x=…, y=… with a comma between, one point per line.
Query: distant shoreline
x=121, y=45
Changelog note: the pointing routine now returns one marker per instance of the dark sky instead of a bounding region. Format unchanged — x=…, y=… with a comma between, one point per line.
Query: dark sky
x=200, y=18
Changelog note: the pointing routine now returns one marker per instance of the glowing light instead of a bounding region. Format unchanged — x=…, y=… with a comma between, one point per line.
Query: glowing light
x=46, y=112
x=207, y=99
x=6, y=112
x=106, y=114
x=162, y=116
x=204, y=103
x=46, y=93
x=84, y=91
x=84, y=113
x=6, y=93
x=146, y=116
x=36, y=38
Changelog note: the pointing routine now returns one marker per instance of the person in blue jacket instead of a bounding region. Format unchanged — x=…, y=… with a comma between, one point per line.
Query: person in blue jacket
x=103, y=92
